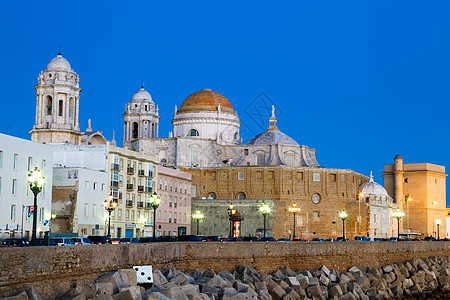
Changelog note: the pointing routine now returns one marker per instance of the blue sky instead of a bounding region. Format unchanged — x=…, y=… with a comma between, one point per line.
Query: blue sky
x=360, y=81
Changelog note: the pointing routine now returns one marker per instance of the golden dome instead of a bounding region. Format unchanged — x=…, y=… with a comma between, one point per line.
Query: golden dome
x=206, y=100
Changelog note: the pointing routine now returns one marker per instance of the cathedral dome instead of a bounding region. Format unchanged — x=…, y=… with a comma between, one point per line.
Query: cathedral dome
x=59, y=63
x=371, y=188
x=141, y=95
x=206, y=100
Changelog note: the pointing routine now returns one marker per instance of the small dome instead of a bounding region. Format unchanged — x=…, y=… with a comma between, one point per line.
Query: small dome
x=398, y=156
x=206, y=100
x=272, y=138
x=371, y=188
x=141, y=95
x=59, y=63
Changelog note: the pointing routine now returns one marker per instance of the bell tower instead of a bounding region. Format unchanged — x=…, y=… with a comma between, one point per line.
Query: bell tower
x=57, y=104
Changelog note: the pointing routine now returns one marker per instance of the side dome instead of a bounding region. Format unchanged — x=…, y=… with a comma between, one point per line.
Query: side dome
x=141, y=95
x=59, y=63
x=371, y=188
x=206, y=100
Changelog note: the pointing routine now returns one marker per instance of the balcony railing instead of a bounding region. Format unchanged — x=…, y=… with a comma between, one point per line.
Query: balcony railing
x=150, y=173
x=129, y=203
x=114, y=183
x=115, y=167
x=130, y=170
x=141, y=172
x=129, y=186
x=140, y=188
x=140, y=204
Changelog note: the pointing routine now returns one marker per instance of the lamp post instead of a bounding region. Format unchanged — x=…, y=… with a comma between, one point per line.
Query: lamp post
x=438, y=222
x=264, y=210
x=198, y=216
x=231, y=212
x=36, y=181
x=343, y=215
x=294, y=210
x=398, y=214
x=110, y=205
x=155, y=200
x=407, y=200
x=360, y=195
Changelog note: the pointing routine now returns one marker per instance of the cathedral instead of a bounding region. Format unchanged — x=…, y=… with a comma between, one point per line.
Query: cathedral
x=271, y=168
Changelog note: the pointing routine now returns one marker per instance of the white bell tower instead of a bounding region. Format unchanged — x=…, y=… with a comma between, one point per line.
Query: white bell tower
x=57, y=104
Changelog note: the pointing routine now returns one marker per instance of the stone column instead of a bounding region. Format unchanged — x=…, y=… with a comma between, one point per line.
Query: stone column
x=124, y=131
x=398, y=181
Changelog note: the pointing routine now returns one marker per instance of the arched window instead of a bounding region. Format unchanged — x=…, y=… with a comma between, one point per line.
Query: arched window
x=193, y=132
x=163, y=161
x=236, y=136
x=212, y=196
x=260, y=159
x=49, y=105
x=71, y=108
x=242, y=196
x=135, y=130
x=60, y=108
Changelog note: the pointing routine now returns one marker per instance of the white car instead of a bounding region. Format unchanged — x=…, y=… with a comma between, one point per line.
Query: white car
x=82, y=241
x=63, y=241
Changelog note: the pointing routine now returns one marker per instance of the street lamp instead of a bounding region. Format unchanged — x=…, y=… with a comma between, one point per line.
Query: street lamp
x=198, y=216
x=407, y=200
x=264, y=210
x=294, y=210
x=360, y=195
x=438, y=222
x=343, y=215
x=398, y=214
x=231, y=212
x=155, y=200
x=36, y=181
x=110, y=205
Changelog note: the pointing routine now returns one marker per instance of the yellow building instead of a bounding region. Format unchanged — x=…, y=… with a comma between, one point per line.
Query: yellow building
x=419, y=190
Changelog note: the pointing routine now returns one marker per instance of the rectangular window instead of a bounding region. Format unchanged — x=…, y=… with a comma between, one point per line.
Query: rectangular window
x=119, y=213
x=114, y=176
x=30, y=163
x=44, y=166
x=94, y=210
x=184, y=217
x=95, y=185
x=160, y=184
x=103, y=187
x=138, y=215
x=193, y=191
x=175, y=202
x=300, y=175
x=41, y=214
x=170, y=201
x=121, y=163
x=260, y=160
x=241, y=175
x=315, y=214
x=13, y=213
x=316, y=176
x=132, y=215
x=185, y=188
x=1, y=159
x=86, y=210
x=15, y=161
x=406, y=180
x=127, y=214
x=174, y=217
x=14, y=186
x=194, y=158
x=170, y=217
x=245, y=151
x=87, y=185
x=332, y=177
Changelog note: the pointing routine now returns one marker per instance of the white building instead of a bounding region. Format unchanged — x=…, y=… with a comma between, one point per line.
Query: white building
x=17, y=158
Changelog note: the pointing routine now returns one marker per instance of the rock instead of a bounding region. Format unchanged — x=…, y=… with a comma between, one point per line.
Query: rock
x=315, y=292
x=344, y=278
x=335, y=291
x=200, y=296
x=190, y=289
x=325, y=270
x=104, y=288
x=291, y=296
x=229, y=291
x=86, y=288
x=210, y=290
x=32, y=293
x=324, y=280
x=292, y=281
x=271, y=285
x=21, y=295
x=277, y=293
x=240, y=287
x=182, y=279
x=102, y=297
x=278, y=274
x=114, y=278
x=157, y=296
x=174, y=293
x=387, y=269
x=264, y=295
x=129, y=293
x=348, y=296
x=129, y=276
x=313, y=281
x=159, y=278
x=209, y=273
x=261, y=285
x=284, y=285
x=74, y=296
x=303, y=280
x=216, y=281
x=287, y=271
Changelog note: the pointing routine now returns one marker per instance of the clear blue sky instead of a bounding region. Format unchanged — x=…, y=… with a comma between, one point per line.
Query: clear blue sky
x=360, y=81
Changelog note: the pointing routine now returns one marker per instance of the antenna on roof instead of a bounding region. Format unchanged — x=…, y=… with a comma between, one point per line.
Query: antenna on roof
x=142, y=84
x=59, y=51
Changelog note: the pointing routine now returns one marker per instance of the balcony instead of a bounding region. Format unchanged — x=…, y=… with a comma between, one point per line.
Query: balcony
x=140, y=204
x=114, y=183
x=140, y=188
x=129, y=203
x=148, y=205
x=148, y=189
x=114, y=167
x=150, y=173
x=130, y=170
x=129, y=186
x=141, y=173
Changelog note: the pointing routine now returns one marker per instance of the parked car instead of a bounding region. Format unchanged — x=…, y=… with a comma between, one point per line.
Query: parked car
x=299, y=240
x=250, y=239
x=330, y=240
x=82, y=241
x=146, y=239
x=165, y=239
x=268, y=239
x=283, y=240
x=342, y=239
x=129, y=241
x=361, y=238
x=430, y=239
x=98, y=239
x=15, y=242
x=41, y=242
x=394, y=239
x=63, y=241
x=189, y=238
x=211, y=238
x=318, y=240
x=232, y=239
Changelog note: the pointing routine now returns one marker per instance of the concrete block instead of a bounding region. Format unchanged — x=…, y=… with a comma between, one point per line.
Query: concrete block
x=313, y=281
x=335, y=291
x=157, y=296
x=260, y=286
x=278, y=274
x=86, y=288
x=104, y=288
x=324, y=280
x=325, y=270
x=277, y=293
x=129, y=276
x=315, y=292
x=22, y=295
x=216, y=281
x=32, y=293
x=287, y=271
x=102, y=297
x=129, y=293
x=174, y=293
x=190, y=289
x=159, y=278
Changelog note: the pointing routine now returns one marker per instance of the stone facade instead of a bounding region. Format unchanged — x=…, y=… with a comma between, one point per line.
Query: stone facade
x=419, y=191
x=331, y=189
